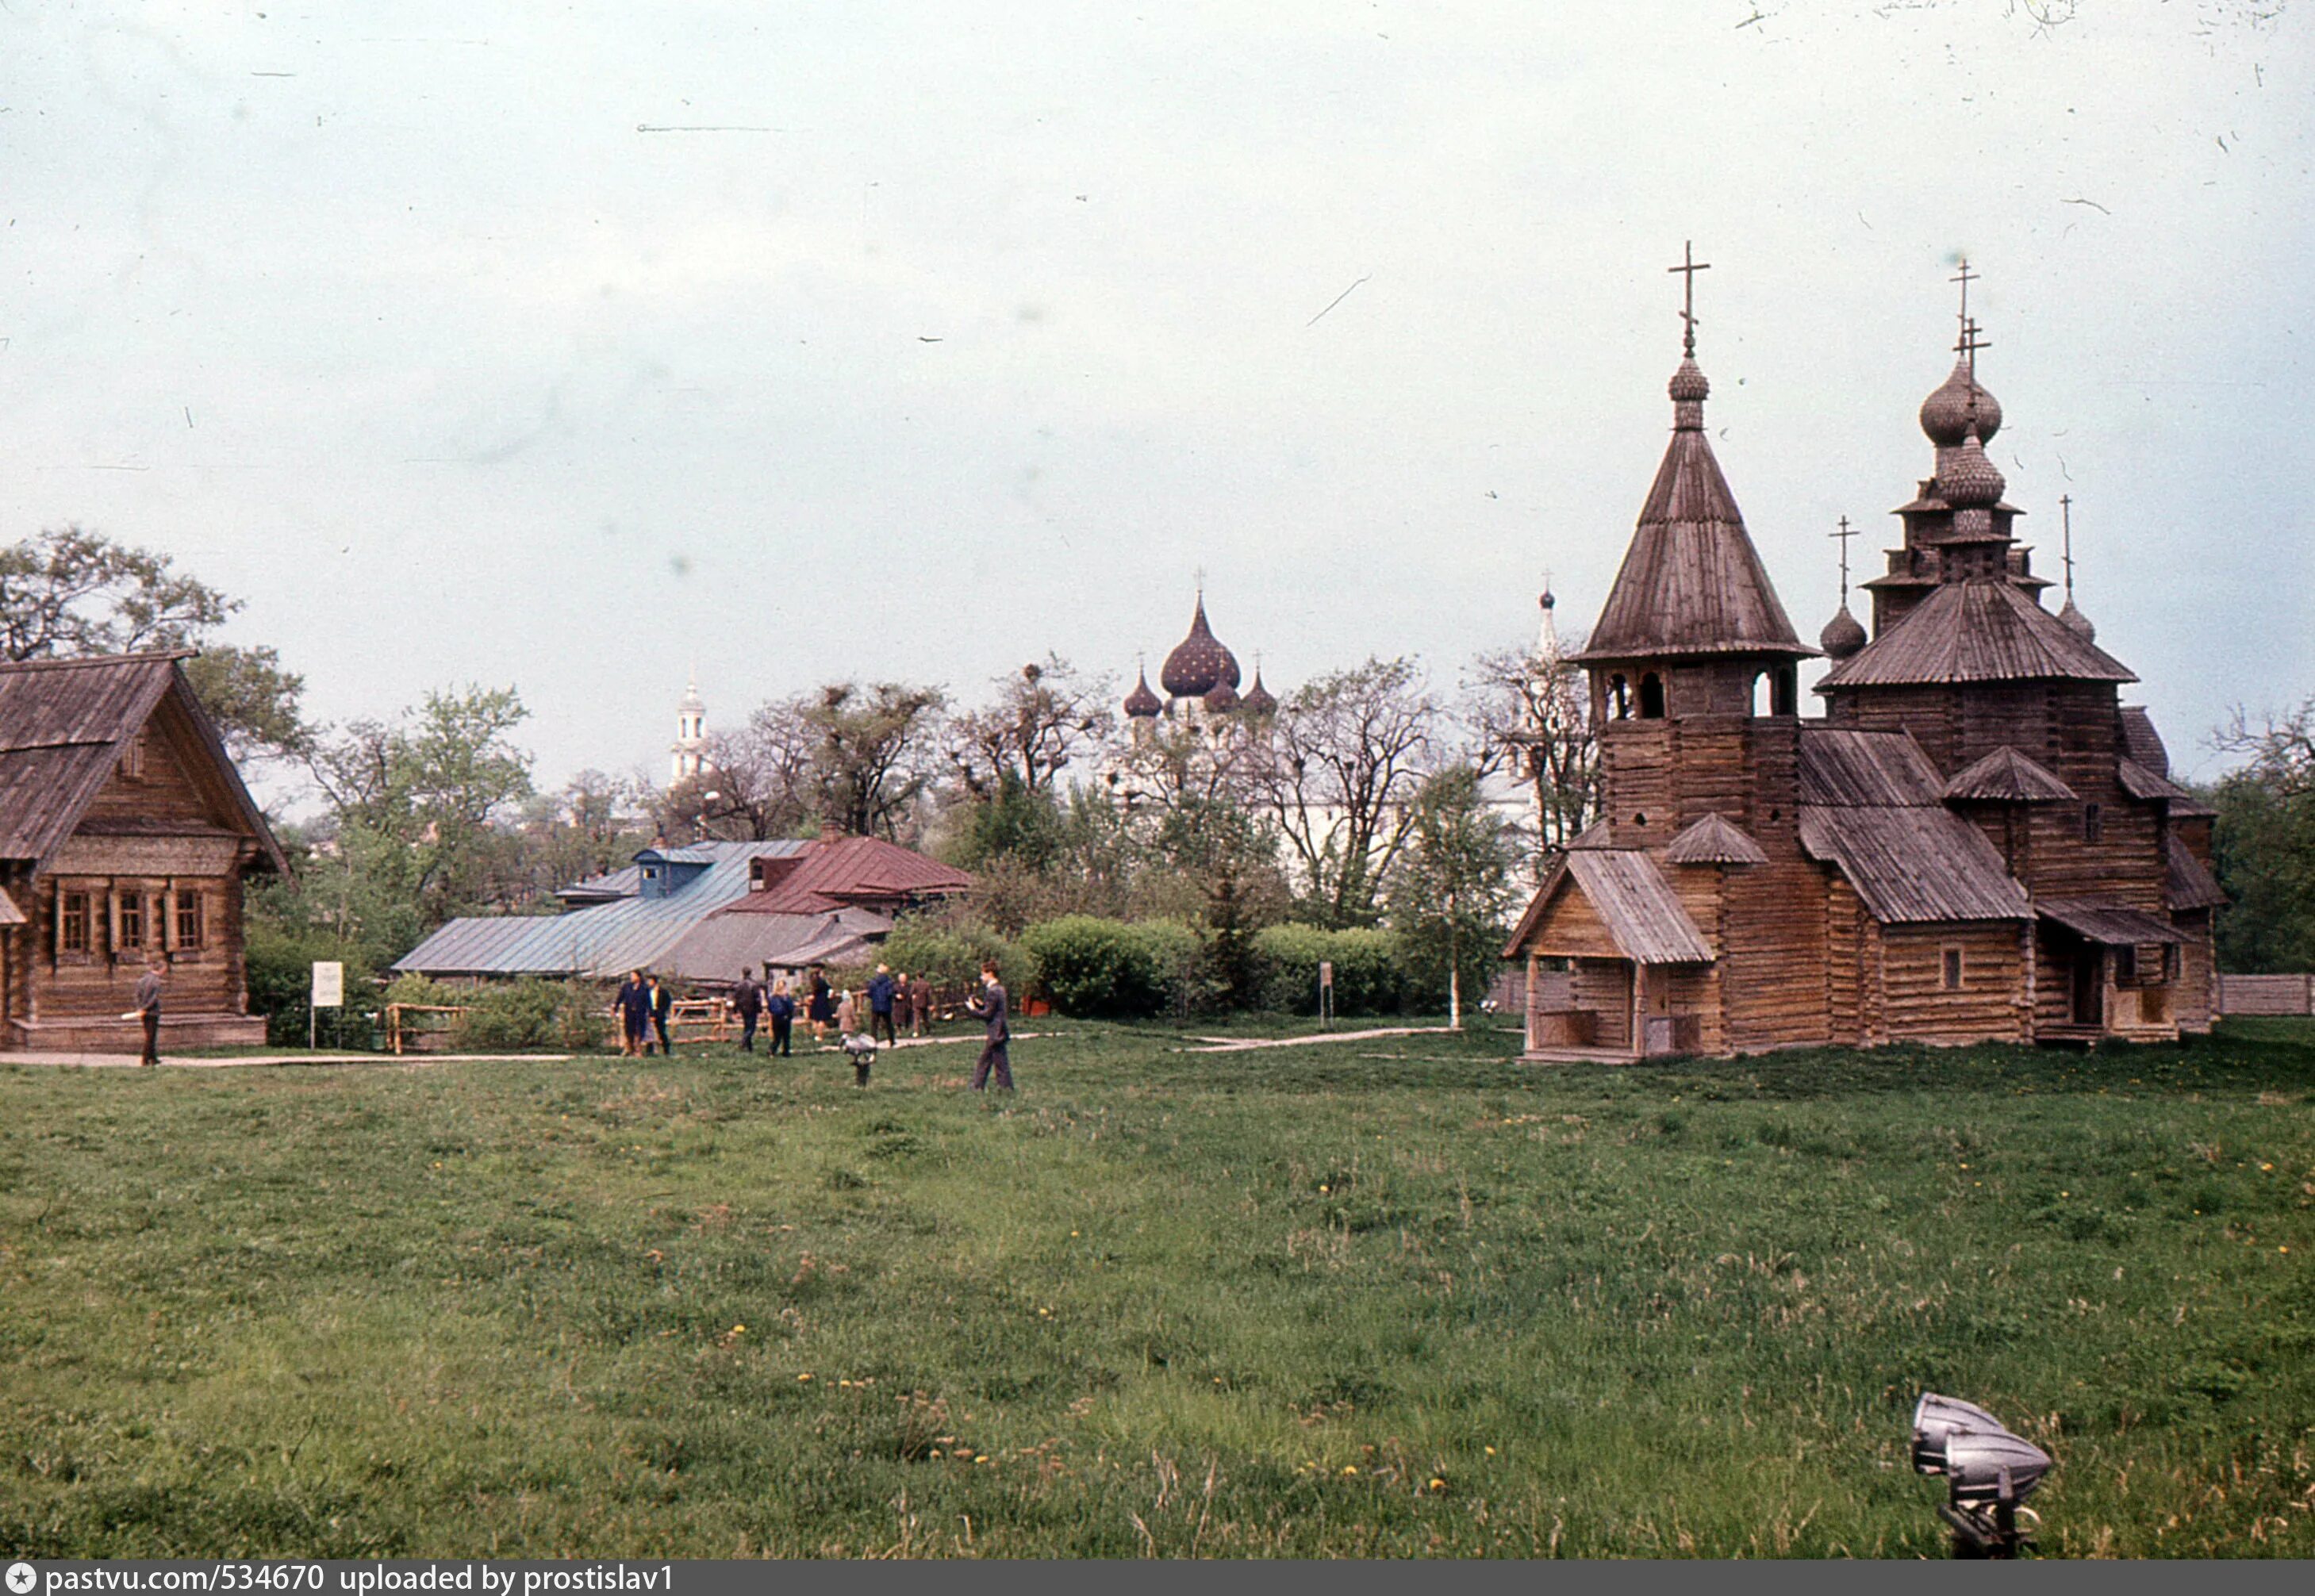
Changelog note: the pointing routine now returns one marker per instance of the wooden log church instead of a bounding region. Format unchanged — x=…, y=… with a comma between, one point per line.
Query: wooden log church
x=125, y=832
x=1978, y=840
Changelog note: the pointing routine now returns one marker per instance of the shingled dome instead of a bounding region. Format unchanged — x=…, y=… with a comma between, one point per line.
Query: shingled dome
x=1199, y=662
x=1259, y=700
x=1960, y=408
x=1141, y=703
x=1842, y=635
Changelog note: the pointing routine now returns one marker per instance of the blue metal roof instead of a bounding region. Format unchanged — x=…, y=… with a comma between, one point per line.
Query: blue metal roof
x=607, y=940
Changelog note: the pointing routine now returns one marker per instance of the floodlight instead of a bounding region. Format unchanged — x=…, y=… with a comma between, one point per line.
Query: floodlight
x=1988, y=1473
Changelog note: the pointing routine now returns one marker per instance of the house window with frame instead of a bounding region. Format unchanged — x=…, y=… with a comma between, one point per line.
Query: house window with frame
x=132, y=759
x=72, y=929
x=132, y=919
x=2126, y=966
x=1952, y=970
x=2093, y=823
x=189, y=919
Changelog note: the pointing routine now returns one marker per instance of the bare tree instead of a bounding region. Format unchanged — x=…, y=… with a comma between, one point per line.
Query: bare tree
x=1338, y=770
x=1531, y=721
x=1043, y=719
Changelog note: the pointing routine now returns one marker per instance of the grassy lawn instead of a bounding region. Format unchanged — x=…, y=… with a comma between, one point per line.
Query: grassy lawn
x=1397, y=1297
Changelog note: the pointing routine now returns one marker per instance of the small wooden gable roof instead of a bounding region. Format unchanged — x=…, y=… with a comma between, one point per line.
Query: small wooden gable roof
x=1637, y=906
x=2144, y=784
x=1691, y=581
x=2141, y=742
x=1872, y=806
x=1713, y=840
x=2005, y=775
x=2111, y=925
x=2186, y=882
x=63, y=725
x=1975, y=631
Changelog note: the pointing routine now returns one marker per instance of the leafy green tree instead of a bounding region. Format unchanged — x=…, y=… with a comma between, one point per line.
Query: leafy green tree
x=71, y=592
x=2263, y=844
x=1455, y=886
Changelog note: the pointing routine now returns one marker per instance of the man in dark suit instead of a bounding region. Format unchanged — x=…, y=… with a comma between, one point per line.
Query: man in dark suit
x=748, y=1002
x=662, y=999
x=881, y=989
x=990, y=1007
x=632, y=1005
x=148, y=1007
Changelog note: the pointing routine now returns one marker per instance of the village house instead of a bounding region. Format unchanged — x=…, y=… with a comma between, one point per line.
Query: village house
x=1979, y=841
x=125, y=832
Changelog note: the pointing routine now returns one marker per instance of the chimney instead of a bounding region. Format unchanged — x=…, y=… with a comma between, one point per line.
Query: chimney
x=829, y=831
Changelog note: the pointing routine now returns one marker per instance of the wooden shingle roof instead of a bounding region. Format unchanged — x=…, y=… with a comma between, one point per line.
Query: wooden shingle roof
x=64, y=724
x=2005, y=775
x=2186, y=882
x=1872, y=806
x=2110, y=924
x=1713, y=840
x=1846, y=769
x=1691, y=582
x=2142, y=784
x=1633, y=900
x=1975, y=631
x=2141, y=742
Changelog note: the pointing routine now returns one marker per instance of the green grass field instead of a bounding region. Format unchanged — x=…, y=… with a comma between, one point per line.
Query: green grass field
x=1404, y=1296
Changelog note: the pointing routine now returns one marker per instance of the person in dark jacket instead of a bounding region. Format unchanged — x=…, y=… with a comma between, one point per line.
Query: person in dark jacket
x=881, y=989
x=991, y=1008
x=633, y=1005
x=148, y=1007
x=820, y=1004
x=748, y=1003
x=782, y=1009
x=663, y=1000
x=921, y=1002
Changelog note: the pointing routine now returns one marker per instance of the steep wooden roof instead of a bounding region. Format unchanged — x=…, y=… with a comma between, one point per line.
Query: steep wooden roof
x=2186, y=884
x=1975, y=631
x=1691, y=582
x=2005, y=775
x=2142, y=784
x=1872, y=806
x=64, y=724
x=1713, y=840
x=2141, y=742
x=1633, y=900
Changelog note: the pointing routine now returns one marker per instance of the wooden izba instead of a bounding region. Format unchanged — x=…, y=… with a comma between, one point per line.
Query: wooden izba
x=125, y=833
x=1978, y=841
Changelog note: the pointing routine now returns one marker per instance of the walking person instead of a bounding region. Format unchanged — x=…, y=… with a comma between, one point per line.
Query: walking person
x=990, y=1007
x=747, y=1001
x=848, y=1015
x=633, y=1005
x=819, y=1002
x=148, y=1007
x=881, y=991
x=920, y=1003
x=662, y=999
x=782, y=1009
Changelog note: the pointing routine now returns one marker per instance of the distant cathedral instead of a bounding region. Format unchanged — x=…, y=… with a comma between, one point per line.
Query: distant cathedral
x=1200, y=678
x=1978, y=841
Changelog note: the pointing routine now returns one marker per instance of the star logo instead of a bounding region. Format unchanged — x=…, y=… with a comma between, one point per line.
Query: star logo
x=21, y=1578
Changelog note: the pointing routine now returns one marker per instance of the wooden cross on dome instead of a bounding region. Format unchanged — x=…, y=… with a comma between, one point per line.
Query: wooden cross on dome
x=2066, y=505
x=1842, y=538
x=1688, y=267
x=1964, y=278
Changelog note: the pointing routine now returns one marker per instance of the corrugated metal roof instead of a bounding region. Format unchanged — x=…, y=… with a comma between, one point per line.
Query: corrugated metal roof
x=1914, y=865
x=623, y=883
x=2187, y=882
x=1846, y=769
x=1715, y=840
x=835, y=871
x=2110, y=924
x=610, y=939
x=722, y=946
x=1975, y=631
x=2005, y=775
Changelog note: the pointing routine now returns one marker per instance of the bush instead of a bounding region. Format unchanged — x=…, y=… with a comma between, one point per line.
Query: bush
x=514, y=1017
x=948, y=953
x=280, y=970
x=1093, y=967
x=1367, y=975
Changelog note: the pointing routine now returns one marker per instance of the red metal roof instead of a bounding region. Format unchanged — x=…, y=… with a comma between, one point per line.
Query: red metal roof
x=836, y=873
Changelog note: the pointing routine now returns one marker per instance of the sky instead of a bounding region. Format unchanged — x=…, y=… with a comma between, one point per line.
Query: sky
x=584, y=347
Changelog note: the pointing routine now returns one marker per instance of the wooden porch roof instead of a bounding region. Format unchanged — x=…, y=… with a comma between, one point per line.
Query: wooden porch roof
x=2111, y=925
x=1633, y=901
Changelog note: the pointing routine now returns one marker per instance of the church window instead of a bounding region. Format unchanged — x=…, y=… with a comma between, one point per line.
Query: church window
x=1952, y=970
x=2093, y=823
x=1620, y=698
x=1761, y=701
x=1652, y=697
x=72, y=933
x=132, y=759
x=2126, y=966
x=1640, y=819
x=1783, y=700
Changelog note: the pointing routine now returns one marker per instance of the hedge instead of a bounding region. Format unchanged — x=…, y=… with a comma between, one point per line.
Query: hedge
x=1368, y=977
x=1091, y=967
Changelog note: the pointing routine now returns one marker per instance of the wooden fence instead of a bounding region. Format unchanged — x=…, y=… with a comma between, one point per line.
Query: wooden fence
x=2267, y=994
x=413, y=1027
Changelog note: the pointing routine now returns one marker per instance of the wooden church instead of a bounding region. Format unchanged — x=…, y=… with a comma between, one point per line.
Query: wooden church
x=125, y=833
x=1978, y=841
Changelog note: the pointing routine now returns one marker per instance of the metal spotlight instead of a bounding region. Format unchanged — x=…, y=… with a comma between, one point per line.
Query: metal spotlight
x=1988, y=1473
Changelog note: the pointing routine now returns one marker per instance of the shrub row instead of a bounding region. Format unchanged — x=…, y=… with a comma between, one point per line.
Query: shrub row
x=1091, y=967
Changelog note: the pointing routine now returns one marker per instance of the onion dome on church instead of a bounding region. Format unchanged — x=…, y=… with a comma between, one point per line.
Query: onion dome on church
x=1259, y=700
x=1141, y=703
x=2076, y=622
x=1199, y=662
x=1222, y=700
x=1842, y=635
x=1959, y=409
x=1970, y=481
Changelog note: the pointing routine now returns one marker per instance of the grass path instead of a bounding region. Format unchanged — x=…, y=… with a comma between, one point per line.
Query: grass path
x=1290, y=1301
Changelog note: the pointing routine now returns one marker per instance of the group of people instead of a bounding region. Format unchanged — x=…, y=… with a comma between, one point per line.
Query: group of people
x=644, y=1002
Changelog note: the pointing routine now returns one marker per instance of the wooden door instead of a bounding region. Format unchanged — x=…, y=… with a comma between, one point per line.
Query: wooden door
x=2089, y=981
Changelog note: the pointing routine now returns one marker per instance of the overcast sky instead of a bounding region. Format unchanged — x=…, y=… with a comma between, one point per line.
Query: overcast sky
x=578, y=347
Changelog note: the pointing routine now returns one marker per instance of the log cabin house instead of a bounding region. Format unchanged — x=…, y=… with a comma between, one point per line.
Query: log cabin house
x=1977, y=842
x=125, y=831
